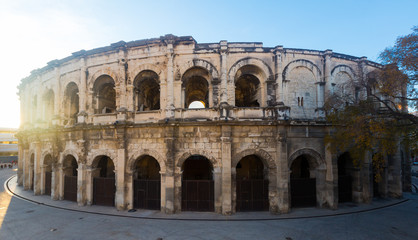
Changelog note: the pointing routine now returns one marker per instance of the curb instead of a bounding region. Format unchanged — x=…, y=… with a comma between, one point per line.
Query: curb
x=6, y=187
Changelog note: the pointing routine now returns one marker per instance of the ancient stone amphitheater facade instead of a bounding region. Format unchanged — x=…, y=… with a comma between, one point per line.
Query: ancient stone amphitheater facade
x=115, y=126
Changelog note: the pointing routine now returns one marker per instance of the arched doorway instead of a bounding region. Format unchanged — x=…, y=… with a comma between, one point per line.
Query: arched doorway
x=345, y=166
x=147, y=183
x=48, y=174
x=252, y=185
x=302, y=183
x=197, y=185
x=70, y=178
x=104, y=187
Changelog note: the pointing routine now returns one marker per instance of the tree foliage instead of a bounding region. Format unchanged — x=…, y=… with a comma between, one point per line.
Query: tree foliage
x=369, y=114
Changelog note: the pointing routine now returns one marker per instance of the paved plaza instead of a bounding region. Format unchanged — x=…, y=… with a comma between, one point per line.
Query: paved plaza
x=24, y=216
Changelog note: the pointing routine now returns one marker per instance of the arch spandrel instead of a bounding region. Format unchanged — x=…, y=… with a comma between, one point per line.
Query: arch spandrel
x=264, y=156
x=302, y=63
x=140, y=153
x=264, y=67
x=315, y=159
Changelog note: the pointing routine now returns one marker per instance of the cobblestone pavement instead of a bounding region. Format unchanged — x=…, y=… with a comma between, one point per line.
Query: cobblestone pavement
x=384, y=219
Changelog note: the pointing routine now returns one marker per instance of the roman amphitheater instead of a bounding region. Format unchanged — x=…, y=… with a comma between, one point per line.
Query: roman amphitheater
x=175, y=125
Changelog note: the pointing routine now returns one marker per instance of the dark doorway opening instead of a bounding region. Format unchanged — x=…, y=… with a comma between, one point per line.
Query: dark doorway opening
x=104, y=188
x=345, y=180
x=252, y=187
x=70, y=178
x=197, y=185
x=302, y=185
x=147, y=184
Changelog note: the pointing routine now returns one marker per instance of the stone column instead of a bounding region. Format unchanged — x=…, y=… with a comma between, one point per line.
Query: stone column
x=20, y=164
x=37, y=168
x=170, y=80
x=283, y=174
x=218, y=189
x=130, y=101
x=57, y=99
x=226, y=171
x=331, y=178
x=394, y=177
x=357, y=186
x=120, y=180
x=224, y=70
x=81, y=184
x=60, y=183
x=171, y=179
x=55, y=182
x=167, y=193
x=327, y=69
x=122, y=81
x=210, y=99
x=26, y=169
x=162, y=191
x=367, y=178
x=279, y=73
x=129, y=189
x=42, y=187
x=90, y=174
x=82, y=93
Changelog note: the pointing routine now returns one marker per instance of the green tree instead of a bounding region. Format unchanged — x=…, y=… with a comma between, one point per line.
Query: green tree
x=371, y=113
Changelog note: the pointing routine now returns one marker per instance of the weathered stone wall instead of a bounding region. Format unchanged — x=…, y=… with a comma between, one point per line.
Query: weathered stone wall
x=284, y=121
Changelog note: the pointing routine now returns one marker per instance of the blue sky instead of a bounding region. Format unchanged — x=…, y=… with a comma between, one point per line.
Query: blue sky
x=36, y=32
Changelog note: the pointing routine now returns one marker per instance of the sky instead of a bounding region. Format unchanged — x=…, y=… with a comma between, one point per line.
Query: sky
x=36, y=32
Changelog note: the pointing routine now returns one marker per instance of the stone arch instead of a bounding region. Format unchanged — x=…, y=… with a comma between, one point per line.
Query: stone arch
x=215, y=163
x=44, y=154
x=302, y=63
x=101, y=72
x=144, y=67
x=251, y=81
x=140, y=153
x=268, y=73
x=264, y=156
x=315, y=160
x=343, y=68
x=92, y=158
x=213, y=72
x=67, y=152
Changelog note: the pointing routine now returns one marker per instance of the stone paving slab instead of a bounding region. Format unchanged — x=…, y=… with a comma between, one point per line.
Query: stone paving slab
x=298, y=213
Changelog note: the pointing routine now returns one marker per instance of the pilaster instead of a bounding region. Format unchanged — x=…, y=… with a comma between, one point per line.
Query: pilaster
x=37, y=168
x=283, y=174
x=120, y=180
x=224, y=69
x=226, y=171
